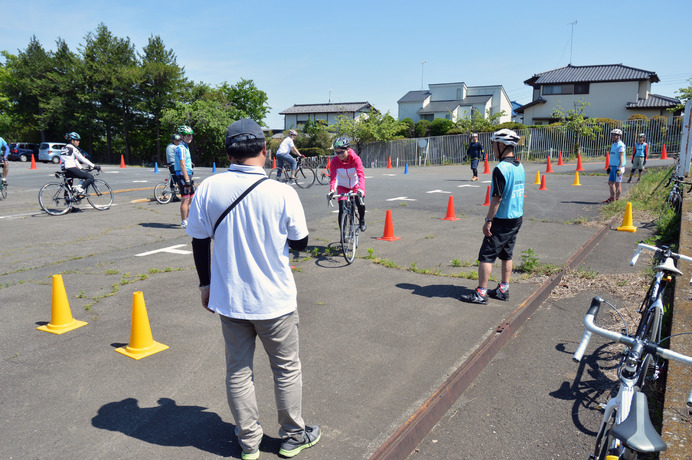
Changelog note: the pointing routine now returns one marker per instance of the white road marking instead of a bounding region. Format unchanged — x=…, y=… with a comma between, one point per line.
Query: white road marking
x=401, y=198
x=468, y=185
x=145, y=181
x=390, y=175
x=169, y=249
x=438, y=191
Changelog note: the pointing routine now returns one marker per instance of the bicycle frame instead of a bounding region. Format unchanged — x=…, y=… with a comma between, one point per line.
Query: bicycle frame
x=349, y=226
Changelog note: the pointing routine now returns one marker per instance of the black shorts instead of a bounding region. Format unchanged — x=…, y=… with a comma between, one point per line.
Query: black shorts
x=184, y=189
x=501, y=244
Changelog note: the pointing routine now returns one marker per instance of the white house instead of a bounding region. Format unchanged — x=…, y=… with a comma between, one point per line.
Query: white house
x=613, y=91
x=454, y=101
x=296, y=116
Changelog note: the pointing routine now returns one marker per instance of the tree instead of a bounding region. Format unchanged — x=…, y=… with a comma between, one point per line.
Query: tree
x=369, y=127
x=407, y=128
x=685, y=94
x=422, y=128
x=477, y=123
x=246, y=98
x=316, y=135
x=575, y=120
x=440, y=126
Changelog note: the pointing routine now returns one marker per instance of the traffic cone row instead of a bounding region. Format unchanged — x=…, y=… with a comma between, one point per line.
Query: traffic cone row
x=141, y=343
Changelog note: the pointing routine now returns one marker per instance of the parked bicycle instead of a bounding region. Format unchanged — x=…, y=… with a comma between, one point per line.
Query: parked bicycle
x=167, y=190
x=323, y=174
x=626, y=429
x=58, y=198
x=349, y=225
x=305, y=176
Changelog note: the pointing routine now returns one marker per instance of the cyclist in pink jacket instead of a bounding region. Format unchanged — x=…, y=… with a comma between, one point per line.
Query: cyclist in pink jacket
x=347, y=176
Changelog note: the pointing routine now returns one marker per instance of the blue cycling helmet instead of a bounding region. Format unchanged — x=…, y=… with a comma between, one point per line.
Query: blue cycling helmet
x=72, y=136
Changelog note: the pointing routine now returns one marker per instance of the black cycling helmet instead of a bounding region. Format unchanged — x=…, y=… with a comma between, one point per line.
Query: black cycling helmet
x=72, y=136
x=342, y=143
x=175, y=137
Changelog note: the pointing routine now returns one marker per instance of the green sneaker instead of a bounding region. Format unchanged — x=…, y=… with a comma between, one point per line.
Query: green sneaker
x=291, y=447
x=250, y=455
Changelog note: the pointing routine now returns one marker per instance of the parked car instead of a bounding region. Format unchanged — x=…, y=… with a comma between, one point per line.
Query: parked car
x=22, y=151
x=50, y=152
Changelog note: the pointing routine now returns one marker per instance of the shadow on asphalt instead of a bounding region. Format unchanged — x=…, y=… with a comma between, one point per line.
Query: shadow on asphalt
x=591, y=386
x=158, y=225
x=435, y=290
x=169, y=424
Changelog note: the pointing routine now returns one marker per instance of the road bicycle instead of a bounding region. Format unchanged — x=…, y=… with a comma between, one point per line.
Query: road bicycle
x=323, y=174
x=58, y=198
x=349, y=227
x=3, y=190
x=626, y=430
x=305, y=176
x=167, y=190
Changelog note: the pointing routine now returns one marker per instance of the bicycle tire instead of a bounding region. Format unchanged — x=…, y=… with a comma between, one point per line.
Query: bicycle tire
x=305, y=177
x=323, y=175
x=100, y=195
x=605, y=440
x=163, y=193
x=3, y=191
x=652, y=335
x=349, y=234
x=274, y=174
x=55, y=199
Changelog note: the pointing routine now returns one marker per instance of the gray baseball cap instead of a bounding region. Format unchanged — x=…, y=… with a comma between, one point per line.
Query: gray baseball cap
x=243, y=130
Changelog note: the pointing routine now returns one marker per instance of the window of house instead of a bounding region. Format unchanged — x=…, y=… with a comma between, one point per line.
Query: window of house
x=577, y=88
x=459, y=93
x=581, y=88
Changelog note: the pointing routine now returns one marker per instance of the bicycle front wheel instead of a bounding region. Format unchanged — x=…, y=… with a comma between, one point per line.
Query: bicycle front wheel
x=349, y=235
x=100, y=195
x=305, y=177
x=3, y=191
x=652, y=335
x=277, y=174
x=54, y=199
x=323, y=176
x=163, y=193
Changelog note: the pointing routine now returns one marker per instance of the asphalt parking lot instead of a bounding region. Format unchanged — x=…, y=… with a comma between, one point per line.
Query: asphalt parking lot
x=377, y=339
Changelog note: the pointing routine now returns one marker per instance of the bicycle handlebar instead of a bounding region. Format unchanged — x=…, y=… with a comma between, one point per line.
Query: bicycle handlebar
x=654, y=249
x=343, y=195
x=590, y=327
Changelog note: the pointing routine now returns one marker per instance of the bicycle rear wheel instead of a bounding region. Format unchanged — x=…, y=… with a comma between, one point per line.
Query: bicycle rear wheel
x=163, y=193
x=274, y=174
x=100, y=195
x=3, y=191
x=305, y=177
x=323, y=176
x=54, y=199
x=349, y=235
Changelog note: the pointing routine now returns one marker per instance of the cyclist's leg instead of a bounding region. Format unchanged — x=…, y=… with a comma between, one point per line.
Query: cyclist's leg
x=361, y=214
x=294, y=164
x=341, y=211
x=280, y=158
x=5, y=170
x=76, y=173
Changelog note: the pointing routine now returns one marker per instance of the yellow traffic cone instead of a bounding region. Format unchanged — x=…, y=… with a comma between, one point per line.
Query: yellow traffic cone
x=141, y=342
x=538, y=178
x=576, y=179
x=627, y=220
x=61, y=319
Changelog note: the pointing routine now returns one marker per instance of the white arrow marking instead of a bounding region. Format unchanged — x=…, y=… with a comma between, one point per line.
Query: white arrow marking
x=438, y=191
x=170, y=249
x=468, y=185
x=401, y=198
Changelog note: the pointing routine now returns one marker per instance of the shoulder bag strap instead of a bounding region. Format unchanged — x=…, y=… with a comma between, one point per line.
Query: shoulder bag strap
x=225, y=213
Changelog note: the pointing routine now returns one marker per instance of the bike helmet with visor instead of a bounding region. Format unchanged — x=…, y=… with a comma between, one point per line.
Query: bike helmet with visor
x=292, y=132
x=616, y=131
x=505, y=136
x=342, y=143
x=72, y=136
x=185, y=130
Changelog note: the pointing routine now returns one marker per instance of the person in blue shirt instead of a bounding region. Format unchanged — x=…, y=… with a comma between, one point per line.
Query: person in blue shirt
x=616, y=167
x=503, y=220
x=3, y=160
x=639, y=157
x=184, y=171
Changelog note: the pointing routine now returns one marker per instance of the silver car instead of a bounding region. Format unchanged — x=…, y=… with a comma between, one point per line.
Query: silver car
x=50, y=151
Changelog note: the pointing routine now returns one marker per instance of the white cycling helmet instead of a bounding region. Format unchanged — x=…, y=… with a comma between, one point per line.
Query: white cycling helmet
x=616, y=131
x=642, y=135
x=505, y=136
x=292, y=132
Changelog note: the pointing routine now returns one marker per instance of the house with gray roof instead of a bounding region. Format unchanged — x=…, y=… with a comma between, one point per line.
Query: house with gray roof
x=454, y=101
x=613, y=91
x=296, y=116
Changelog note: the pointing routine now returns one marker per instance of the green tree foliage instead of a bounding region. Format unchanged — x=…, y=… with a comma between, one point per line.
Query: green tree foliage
x=369, y=127
x=575, y=120
x=315, y=136
x=245, y=97
x=407, y=128
x=440, y=126
x=684, y=94
x=422, y=128
x=477, y=123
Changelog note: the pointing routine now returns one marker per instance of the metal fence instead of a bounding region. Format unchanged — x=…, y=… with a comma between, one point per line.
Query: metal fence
x=535, y=144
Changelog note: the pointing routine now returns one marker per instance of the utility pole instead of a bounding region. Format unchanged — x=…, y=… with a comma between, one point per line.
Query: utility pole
x=571, y=40
x=422, y=68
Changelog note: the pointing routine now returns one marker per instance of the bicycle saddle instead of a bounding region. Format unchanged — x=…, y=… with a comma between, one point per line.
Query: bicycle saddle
x=637, y=431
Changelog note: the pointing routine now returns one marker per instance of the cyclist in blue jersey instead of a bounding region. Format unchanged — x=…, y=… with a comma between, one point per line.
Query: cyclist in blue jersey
x=184, y=171
x=3, y=160
x=639, y=157
x=503, y=220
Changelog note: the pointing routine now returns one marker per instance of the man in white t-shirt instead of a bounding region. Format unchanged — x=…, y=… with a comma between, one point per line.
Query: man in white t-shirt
x=249, y=282
x=286, y=151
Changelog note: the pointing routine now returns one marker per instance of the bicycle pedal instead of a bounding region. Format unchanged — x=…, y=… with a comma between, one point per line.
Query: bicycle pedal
x=600, y=407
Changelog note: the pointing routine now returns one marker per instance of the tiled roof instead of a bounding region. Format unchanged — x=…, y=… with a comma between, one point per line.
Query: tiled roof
x=591, y=73
x=415, y=96
x=654, y=101
x=521, y=109
x=326, y=108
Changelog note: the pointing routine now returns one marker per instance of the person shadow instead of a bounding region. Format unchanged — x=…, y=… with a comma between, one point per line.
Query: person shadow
x=435, y=290
x=169, y=424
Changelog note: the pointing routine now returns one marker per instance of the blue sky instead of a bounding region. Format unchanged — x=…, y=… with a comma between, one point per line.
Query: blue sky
x=298, y=52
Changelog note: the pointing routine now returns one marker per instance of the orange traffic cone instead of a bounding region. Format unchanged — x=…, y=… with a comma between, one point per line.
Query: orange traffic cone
x=388, y=234
x=538, y=178
x=543, y=187
x=389, y=162
x=450, y=210
x=486, y=168
x=576, y=179
x=122, y=162
x=607, y=160
x=627, y=221
x=664, y=153
x=487, y=198
x=273, y=162
x=559, y=159
x=61, y=319
x=33, y=162
x=579, y=166
x=549, y=167
x=141, y=342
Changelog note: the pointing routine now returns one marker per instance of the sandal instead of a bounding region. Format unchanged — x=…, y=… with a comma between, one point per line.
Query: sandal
x=608, y=201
